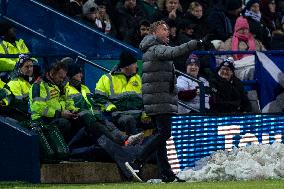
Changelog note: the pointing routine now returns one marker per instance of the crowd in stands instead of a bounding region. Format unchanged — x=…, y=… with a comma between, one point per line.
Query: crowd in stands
x=55, y=104
x=187, y=19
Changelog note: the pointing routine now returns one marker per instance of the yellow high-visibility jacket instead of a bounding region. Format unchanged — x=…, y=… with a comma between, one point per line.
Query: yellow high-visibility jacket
x=8, y=64
x=46, y=100
x=117, y=92
x=82, y=100
x=20, y=88
x=4, y=93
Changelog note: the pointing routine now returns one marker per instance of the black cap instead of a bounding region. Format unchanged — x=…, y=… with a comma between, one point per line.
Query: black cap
x=126, y=58
x=73, y=69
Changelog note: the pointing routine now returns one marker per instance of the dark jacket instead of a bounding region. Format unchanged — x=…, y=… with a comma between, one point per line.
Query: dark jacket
x=219, y=23
x=158, y=79
x=229, y=96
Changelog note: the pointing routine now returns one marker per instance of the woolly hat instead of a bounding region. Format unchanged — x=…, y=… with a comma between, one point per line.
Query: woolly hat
x=250, y=3
x=22, y=59
x=229, y=62
x=126, y=58
x=73, y=69
x=192, y=58
x=241, y=23
x=233, y=4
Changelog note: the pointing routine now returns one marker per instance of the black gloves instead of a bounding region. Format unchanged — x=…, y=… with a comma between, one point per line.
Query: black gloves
x=205, y=42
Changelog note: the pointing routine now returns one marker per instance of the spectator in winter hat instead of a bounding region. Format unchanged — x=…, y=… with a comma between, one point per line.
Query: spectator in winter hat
x=257, y=27
x=188, y=90
x=228, y=94
x=242, y=39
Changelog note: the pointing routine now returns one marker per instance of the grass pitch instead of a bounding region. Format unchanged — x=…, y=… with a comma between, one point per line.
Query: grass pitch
x=259, y=184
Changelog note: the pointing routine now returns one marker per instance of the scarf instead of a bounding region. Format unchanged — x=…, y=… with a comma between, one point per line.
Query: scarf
x=242, y=23
x=253, y=15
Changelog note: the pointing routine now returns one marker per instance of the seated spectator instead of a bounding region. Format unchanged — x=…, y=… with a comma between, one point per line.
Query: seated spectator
x=228, y=94
x=19, y=85
x=129, y=14
x=277, y=42
x=119, y=92
x=99, y=18
x=195, y=15
x=10, y=45
x=170, y=13
x=141, y=32
x=271, y=18
x=242, y=39
x=188, y=90
x=256, y=24
x=221, y=19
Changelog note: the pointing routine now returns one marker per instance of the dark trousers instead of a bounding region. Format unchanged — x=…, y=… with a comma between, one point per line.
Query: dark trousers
x=157, y=143
x=102, y=127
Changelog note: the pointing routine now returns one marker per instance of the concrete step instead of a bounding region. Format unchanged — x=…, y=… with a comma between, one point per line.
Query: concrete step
x=88, y=172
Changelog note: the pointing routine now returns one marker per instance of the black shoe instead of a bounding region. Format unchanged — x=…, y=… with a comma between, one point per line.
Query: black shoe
x=133, y=169
x=171, y=178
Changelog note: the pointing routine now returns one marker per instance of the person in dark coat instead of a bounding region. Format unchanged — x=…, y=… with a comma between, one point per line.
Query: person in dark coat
x=222, y=18
x=256, y=24
x=171, y=13
x=195, y=15
x=229, y=95
x=129, y=14
x=277, y=42
x=159, y=95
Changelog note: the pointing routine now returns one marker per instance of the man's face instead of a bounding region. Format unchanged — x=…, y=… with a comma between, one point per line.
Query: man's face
x=58, y=77
x=27, y=68
x=130, y=4
x=225, y=73
x=144, y=30
x=162, y=32
x=131, y=69
x=78, y=76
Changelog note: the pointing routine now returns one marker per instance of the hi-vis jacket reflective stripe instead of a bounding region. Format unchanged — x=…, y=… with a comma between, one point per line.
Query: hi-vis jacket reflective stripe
x=115, y=91
x=46, y=101
x=20, y=88
x=8, y=64
x=81, y=99
x=4, y=93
